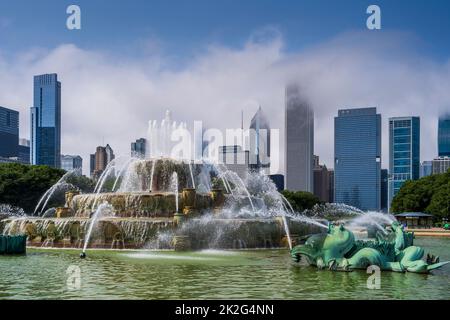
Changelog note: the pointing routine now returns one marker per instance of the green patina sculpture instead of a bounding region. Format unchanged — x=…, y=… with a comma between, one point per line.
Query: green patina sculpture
x=338, y=250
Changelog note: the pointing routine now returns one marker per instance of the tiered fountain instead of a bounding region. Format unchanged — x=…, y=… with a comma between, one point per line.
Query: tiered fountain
x=165, y=201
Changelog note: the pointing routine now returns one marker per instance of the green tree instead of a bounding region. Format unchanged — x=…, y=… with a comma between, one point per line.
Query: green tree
x=301, y=200
x=440, y=203
x=429, y=194
x=23, y=185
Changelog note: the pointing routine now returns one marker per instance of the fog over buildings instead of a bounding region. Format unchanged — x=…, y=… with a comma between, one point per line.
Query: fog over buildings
x=110, y=97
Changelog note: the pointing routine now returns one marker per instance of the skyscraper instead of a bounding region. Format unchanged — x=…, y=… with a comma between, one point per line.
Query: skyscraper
x=9, y=133
x=69, y=162
x=103, y=156
x=444, y=136
x=299, y=141
x=138, y=148
x=384, y=189
x=322, y=183
x=357, y=156
x=426, y=168
x=24, y=150
x=46, y=121
x=404, y=152
x=235, y=159
x=440, y=165
x=260, y=142
x=92, y=164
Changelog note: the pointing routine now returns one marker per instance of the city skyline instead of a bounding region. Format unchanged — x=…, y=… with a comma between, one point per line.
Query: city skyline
x=441, y=135
x=232, y=69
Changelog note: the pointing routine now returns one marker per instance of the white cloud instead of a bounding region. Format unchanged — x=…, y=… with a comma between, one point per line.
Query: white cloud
x=108, y=98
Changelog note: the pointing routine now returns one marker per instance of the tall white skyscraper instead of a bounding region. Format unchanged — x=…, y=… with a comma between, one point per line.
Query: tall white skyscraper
x=260, y=142
x=299, y=141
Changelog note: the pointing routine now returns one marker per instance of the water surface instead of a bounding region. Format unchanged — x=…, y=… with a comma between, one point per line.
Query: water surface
x=210, y=274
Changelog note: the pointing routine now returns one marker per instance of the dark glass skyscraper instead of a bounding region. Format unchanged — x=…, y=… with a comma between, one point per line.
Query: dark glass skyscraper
x=357, y=156
x=384, y=190
x=444, y=136
x=138, y=148
x=404, y=152
x=9, y=133
x=46, y=121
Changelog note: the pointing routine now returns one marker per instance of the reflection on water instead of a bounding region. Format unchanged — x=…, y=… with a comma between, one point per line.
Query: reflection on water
x=209, y=274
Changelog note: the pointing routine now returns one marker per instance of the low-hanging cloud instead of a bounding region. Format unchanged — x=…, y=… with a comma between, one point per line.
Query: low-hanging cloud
x=109, y=99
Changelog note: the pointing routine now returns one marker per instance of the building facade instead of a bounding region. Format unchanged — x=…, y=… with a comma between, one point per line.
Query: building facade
x=46, y=121
x=91, y=164
x=299, y=141
x=322, y=183
x=260, y=142
x=404, y=152
x=331, y=187
x=138, y=148
x=278, y=180
x=384, y=196
x=102, y=157
x=235, y=159
x=426, y=168
x=357, y=156
x=441, y=165
x=24, y=150
x=9, y=133
x=444, y=136
x=70, y=162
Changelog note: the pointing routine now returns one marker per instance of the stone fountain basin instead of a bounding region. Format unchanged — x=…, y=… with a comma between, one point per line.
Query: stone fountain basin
x=132, y=232
x=137, y=204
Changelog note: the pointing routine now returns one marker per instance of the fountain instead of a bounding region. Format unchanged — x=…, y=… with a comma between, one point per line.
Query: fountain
x=164, y=200
x=168, y=201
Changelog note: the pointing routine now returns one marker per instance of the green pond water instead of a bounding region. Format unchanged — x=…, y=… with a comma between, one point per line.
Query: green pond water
x=259, y=274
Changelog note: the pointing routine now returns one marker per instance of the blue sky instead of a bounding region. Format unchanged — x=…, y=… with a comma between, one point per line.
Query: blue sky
x=182, y=28
x=132, y=60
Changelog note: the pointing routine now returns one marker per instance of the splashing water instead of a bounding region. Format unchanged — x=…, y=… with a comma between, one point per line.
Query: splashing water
x=122, y=170
x=59, y=184
x=101, y=210
x=192, y=175
x=373, y=218
x=152, y=174
x=286, y=228
x=11, y=211
x=174, y=188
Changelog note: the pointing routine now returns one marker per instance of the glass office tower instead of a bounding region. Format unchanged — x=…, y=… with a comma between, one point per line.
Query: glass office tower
x=357, y=154
x=138, y=148
x=404, y=152
x=444, y=136
x=9, y=133
x=46, y=121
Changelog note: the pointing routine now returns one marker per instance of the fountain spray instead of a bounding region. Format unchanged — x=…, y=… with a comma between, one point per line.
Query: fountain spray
x=105, y=206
